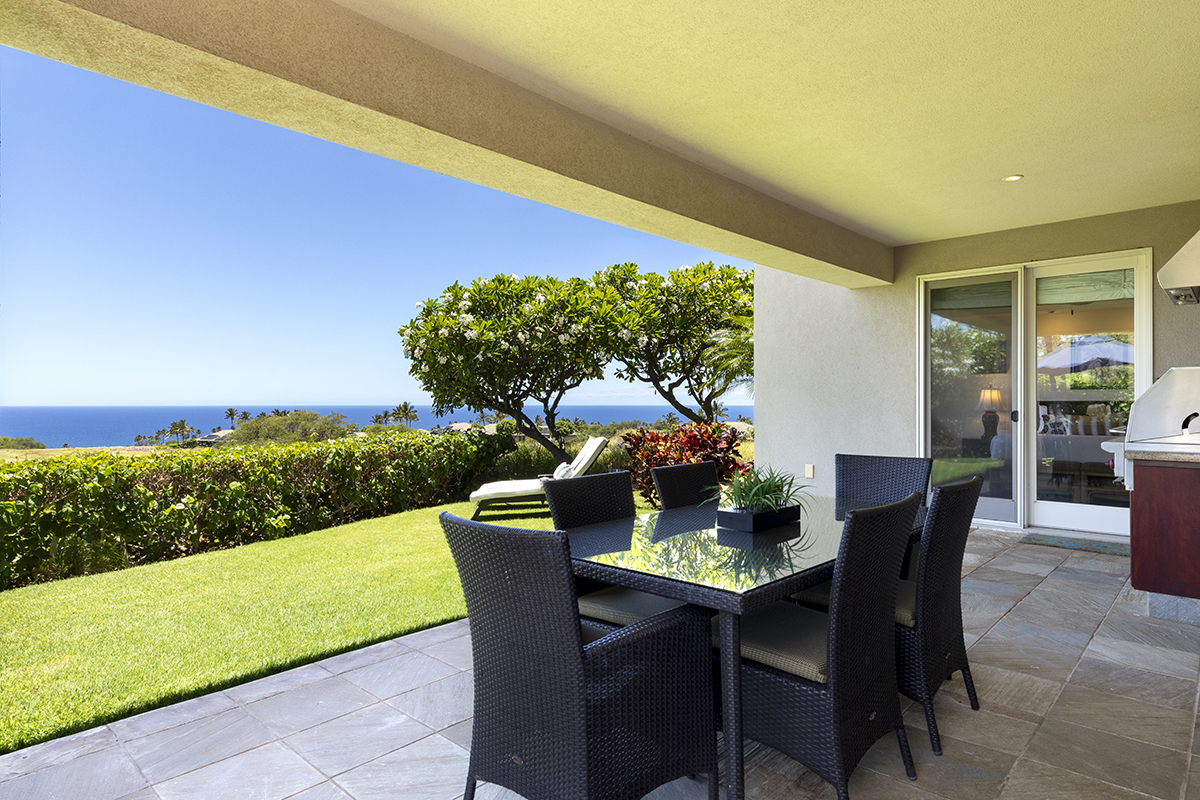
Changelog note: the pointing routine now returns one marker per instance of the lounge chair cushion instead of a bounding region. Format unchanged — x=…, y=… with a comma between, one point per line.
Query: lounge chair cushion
x=906, y=600
x=562, y=470
x=623, y=606
x=531, y=486
x=785, y=636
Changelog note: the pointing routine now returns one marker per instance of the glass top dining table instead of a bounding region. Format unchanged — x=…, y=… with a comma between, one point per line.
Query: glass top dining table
x=682, y=554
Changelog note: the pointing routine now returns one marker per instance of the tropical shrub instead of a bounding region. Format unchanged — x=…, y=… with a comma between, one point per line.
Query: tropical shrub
x=506, y=426
x=20, y=443
x=687, y=444
x=294, y=426
x=71, y=516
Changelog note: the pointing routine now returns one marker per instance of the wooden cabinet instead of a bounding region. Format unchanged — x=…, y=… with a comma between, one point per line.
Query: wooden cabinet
x=1165, y=527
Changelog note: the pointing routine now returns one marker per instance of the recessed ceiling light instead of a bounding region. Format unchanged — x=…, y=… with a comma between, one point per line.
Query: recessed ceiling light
x=1014, y=178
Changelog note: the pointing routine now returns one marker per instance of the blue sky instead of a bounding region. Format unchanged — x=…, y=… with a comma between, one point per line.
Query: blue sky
x=154, y=251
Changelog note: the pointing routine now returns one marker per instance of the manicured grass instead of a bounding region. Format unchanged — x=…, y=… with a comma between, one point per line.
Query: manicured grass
x=85, y=651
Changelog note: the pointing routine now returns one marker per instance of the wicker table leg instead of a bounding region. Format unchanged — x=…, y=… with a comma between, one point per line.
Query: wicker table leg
x=731, y=703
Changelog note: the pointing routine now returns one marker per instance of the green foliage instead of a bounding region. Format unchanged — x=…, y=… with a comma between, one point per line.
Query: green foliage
x=609, y=430
x=957, y=353
x=71, y=516
x=398, y=427
x=297, y=426
x=529, y=460
x=508, y=426
x=20, y=443
x=761, y=489
x=731, y=355
x=664, y=325
x=687, y=444
x=564, y=427
x=503, y=342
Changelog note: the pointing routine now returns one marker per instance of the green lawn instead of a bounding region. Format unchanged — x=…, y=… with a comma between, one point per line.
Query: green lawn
x=86, y=651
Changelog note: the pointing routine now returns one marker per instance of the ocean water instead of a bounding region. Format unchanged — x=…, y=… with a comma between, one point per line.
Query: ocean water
x=109, y=426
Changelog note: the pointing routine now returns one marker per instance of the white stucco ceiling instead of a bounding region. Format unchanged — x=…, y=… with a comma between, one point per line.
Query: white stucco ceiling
x=896, y=119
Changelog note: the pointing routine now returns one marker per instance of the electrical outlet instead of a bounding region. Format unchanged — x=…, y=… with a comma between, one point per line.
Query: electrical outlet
x=810, y=471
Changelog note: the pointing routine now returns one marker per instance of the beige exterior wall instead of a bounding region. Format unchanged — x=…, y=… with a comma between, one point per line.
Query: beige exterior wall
x=836, y=369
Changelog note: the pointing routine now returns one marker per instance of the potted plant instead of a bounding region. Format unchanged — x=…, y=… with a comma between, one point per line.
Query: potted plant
x=759, y=499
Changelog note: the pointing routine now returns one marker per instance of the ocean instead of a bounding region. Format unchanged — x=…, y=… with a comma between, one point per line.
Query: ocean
x=110, y=426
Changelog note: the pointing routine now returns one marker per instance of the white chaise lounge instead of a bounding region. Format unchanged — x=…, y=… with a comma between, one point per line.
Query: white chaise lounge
x=503, y=492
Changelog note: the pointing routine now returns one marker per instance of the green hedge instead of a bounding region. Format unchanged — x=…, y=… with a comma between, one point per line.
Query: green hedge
x=77, y=515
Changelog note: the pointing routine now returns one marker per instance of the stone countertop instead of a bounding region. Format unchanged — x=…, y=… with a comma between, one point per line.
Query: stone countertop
x=1162, y=452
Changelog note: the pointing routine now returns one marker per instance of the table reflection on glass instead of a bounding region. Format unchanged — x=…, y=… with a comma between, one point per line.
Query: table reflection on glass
x=681, y=554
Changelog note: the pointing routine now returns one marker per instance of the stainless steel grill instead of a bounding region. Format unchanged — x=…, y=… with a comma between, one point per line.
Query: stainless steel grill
x=1162, y=422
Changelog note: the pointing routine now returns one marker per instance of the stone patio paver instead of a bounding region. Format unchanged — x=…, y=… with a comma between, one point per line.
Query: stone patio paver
x=1083, y=696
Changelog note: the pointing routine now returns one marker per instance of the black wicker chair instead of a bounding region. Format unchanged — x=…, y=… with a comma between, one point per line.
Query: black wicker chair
x=878, y=480
x=575, y=502
x=929, y=639
x=559, y=717
x=821, y=688
x=929, y=634
x=685, y=484
x=586, y=500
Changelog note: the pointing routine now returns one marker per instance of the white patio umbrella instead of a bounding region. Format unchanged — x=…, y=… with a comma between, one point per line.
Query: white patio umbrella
x=1087, y=352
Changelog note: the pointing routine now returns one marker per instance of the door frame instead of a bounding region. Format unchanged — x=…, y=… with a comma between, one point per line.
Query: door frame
x=1097, y=519
x=925, y=285
x=1141, y=260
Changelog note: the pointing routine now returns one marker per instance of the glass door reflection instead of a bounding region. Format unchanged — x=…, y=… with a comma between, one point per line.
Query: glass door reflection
x=1085, y=365
x=971, y=363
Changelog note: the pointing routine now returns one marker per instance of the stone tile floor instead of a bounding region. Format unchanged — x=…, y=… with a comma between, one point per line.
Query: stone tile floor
x=1083, y=696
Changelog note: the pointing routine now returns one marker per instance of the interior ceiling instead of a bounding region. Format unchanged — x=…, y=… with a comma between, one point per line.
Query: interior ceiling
x=897, y=120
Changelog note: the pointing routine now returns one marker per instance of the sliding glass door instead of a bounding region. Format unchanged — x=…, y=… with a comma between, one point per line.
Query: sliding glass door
x=1084, y=365
x=971, y=388
x=1028, y=370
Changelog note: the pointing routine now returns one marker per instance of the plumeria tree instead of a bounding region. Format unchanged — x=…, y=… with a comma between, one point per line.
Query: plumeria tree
x=665, y=327
x=505, y=342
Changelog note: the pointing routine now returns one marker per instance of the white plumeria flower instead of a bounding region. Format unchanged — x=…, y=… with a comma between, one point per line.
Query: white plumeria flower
x=464, y=305
x=471, y=333
x=642, y=340
x=441, y=359
x=420, y=304
x=503, y=345
x=444, y=332
x=466, y=319
x=521, y=338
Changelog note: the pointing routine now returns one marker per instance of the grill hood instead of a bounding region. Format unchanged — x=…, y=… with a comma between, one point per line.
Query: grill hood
x=1180, y=276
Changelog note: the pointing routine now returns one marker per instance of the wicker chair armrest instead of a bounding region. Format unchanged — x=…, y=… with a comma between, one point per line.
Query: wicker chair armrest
x=653, y=681
x=666, y=642
x=642, y=636
x=824, y=573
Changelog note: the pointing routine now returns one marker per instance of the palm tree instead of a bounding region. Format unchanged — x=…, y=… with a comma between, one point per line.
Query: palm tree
x=244, y=416
x=278, y=412
x=405, y=412
x=379, y=419
x=731, y=356
x=179, y=428
x=231, y=415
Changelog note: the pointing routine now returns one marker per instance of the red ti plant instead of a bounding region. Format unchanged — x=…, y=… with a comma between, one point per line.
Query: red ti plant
x=687, y=444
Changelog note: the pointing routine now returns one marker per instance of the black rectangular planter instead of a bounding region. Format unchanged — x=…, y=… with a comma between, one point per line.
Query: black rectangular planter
x=755, y=521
